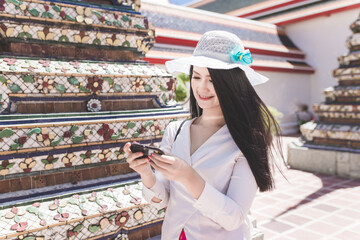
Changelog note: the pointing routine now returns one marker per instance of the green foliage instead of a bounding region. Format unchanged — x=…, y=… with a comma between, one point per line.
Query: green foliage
x=181, y=91
x=276, y=114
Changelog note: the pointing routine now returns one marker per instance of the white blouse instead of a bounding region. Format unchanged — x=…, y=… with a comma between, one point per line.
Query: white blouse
x=222, y=208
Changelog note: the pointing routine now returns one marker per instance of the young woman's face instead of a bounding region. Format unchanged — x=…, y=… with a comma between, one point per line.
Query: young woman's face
x=203, y=88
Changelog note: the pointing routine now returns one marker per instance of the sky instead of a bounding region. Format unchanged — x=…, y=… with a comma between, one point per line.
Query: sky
x=180, y=2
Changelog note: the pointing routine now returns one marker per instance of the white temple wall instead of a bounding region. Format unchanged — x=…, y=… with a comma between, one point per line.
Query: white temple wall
x=284, y=91
x=322, y=39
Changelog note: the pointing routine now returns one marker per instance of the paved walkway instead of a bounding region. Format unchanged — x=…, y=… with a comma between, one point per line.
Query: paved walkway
x=309, y=206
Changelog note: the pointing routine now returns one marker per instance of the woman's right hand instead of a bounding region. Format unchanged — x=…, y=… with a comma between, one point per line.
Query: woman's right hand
x=140, y=165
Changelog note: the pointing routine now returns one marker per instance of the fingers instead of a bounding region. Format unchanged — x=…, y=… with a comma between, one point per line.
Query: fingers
x=163, y=158
x=131, y=156
x=127, y=148
x=159, y=164
x=138, y=162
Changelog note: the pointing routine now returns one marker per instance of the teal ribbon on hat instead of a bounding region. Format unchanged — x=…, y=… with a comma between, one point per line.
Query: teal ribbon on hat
x=238, y=56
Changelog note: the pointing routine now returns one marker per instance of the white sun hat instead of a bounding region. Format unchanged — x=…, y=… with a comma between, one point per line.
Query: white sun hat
x=218, y=50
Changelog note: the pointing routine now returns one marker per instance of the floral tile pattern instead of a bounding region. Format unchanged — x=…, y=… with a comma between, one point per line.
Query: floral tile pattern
x=80, y=215
x=311, y=130
x=337, y=111
x=59, y=161
x=13, y=138
x=75, y=151
x=349, y=73
x=349, y=58
x=57, y=78
x=353, y=42
x=40, y=32
x=81, y=15
x=333, y=93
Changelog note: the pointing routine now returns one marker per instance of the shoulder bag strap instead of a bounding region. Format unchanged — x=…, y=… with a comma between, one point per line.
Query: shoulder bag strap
x=178, y=131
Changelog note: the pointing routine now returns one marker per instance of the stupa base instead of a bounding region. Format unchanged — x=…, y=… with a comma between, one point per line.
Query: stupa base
x=332, y=162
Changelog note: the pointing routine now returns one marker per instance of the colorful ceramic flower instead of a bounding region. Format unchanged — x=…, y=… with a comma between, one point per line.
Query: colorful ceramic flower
x=45, y=63
x=156, y=128
x=45, y=34
x=95, y=84
x=93, y=105
x=54, y=205
x=135, y=200
x=49, y=162
x=122, y=218
x=27, y=164
x=61, y=217
x=45, y=136
x=87, y=157
x=10, y=61
x=68, y=159
x=87, y=132
x=5, y=167
x=84, y=14
x=113, y=41
x=19, y=227
x=106, y=132
x=92, y=197
x=138, y=215
x=138, y=85
x=120, y=154
x=104, y=155
x=45, y=85
x=81, y=37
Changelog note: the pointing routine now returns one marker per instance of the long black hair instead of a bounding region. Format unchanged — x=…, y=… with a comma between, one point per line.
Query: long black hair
x=249, y=121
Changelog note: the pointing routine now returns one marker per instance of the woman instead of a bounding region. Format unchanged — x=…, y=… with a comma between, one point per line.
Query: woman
x=209, y=175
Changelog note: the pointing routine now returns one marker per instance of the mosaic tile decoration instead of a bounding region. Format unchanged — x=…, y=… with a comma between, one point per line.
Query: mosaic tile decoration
x=338, y=126
x=349, y=74
x=355, y=26
x=86, y=14
x=71, y=134
x=58, y=161
x=338, y=113
x=342, y=94
x=341, y=132
x=75, y=153
x=135, y=4
x=64, y=34
x=98, y=212
x=349, y=59
x=353, y=42
x=26, y=77
x=45, y=140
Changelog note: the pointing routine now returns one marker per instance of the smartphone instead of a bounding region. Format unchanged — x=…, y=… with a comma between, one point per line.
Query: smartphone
x=146, y=150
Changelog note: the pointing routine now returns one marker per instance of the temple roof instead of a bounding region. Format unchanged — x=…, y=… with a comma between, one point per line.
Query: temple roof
x=179, y=28
x=278, y=12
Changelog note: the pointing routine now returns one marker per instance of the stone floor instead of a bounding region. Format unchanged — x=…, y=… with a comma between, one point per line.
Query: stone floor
x=308, y=206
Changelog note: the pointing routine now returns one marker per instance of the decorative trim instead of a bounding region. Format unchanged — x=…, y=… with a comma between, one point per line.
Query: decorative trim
x=56, y=12
x=86, y=214
x=317, y=11
x=262, y=7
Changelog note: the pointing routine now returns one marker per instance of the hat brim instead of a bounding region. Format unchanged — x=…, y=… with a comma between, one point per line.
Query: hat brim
x=183, y=65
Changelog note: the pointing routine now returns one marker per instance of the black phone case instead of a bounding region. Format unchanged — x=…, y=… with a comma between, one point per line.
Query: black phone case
x=146, y=150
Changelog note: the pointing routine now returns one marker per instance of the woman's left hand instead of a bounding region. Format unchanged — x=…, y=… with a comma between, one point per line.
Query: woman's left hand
x=177, y=169
x=171, y=167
